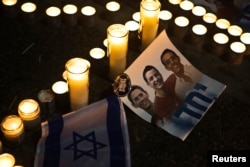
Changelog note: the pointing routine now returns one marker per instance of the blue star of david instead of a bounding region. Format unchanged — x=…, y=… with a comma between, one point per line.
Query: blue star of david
x=89, y=139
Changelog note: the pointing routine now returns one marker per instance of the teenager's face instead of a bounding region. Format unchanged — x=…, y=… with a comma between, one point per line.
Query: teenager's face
x=140, y=99
x=154, y=79
x=172, y=62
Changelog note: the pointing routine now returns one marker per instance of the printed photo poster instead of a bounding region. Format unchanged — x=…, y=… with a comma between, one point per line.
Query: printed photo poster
x=167, y=90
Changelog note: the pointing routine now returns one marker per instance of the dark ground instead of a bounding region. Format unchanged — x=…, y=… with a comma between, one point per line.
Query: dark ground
x=32, y=58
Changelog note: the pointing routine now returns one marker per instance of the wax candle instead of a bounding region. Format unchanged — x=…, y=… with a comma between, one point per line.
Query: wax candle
x=117, y=35
x=186, y=8
x=181, y=26
x=61, y=91
x=136, y=16
x=219, y=44
x=198, y=33
x=112, y=6
x=10, y=8
x=197, y=14
x=149, y=21
x=209, y=20
x=173, y=6
x=13, y=129
x=165, y=16
x=88, y=16
x=7, y=160
x=46, y=100
x=29, y=111
x=9, y=2
x=245, y=39
x=97, y=53
x=28, y=13
x=234, y=32
x=70, y=16
x=53, y=16
x=222, y=25
x=78, y=82
x=236, y=53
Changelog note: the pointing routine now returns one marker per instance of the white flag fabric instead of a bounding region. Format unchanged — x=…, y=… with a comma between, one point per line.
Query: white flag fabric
x=93, y=136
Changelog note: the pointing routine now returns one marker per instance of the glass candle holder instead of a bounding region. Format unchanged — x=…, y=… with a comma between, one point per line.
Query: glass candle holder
x=245, y=39
x=53, y=16
x=13, y=129
x=70, y=14
x=88, y=16
x=181, y=26
x=28, y=11
x=117, y=35
x=78, y=82
x=29, y=111
x=7, y=160
x=219, y=44
x=236, y=53
x=149, y=21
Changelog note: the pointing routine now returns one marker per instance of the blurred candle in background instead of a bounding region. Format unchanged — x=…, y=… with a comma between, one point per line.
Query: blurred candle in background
x=78, y=82
x=245, y=39
x=70, y=14
x=7, y=160
x=209, y=20
x=198, y=34
x=112, y=6
x=29, y=111
x=165, y=16
x=13, y=129
x=219, y=43
x=149, y=21
x=53, y=16
x=181, y=26
x=186, y=8
x=236, y=53
x=133, y=27
x=88, y=16
x=117, y=35
x=222, y=25
x=97, y=53
x=136, y=16
x=197, y=14
x=173, y=6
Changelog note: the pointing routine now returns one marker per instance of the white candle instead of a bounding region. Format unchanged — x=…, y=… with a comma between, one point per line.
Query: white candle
x=70, y=9
x=70, y=17
x=13, y=129
x=245, y=39
x=88, y=16
x=235, y=30
x=88, y=11
x=186, y=5
x=7, y=160
x=136, y=16
x=174, y=2
x=9, y=2
x=78, y=82
x=165, y=15
x=113, y=6
x=29, y=111
x=220, y=38
x=117, y=35
x=222, y=24
x=209, y=18
x=97, y=53
x=181, y=24
x=219, y=43
x=149, y=21
x=237, y=52
x=28, y=7
x=60, y=87
x=199, y=29
x=198, y=11
x=53, y=11
x=132, y=25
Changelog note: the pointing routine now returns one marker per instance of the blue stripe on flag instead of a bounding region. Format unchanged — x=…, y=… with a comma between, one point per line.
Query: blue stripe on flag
x=117, y=146
x=52, y=143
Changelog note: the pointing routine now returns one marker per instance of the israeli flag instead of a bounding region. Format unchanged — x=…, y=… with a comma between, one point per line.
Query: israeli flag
x=93, y=136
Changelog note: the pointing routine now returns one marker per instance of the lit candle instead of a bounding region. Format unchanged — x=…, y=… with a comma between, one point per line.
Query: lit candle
x=133, y=27
x=117, y=35
x=78, y=82
x=29, y=111
x=53, y=14
x=13, y=129
x=149, y=21
x=70, y=17
x=136, y=16
x=97, y=53
x=9, y=2
x=181, y=26
x=209, y=21
x=245, y=39
x=236, y=54
x=234, y=32
x=60, y=89
x=198, y=12
x=186, y=8
x=219, y=43
x=112, y=6
x=87, y=17
x=173, y=6
x=10, y=7
x=222, y=25
x=28, y=9
x=165, y=16
x=46, y=100
x=198, y=33
x=7, y=160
